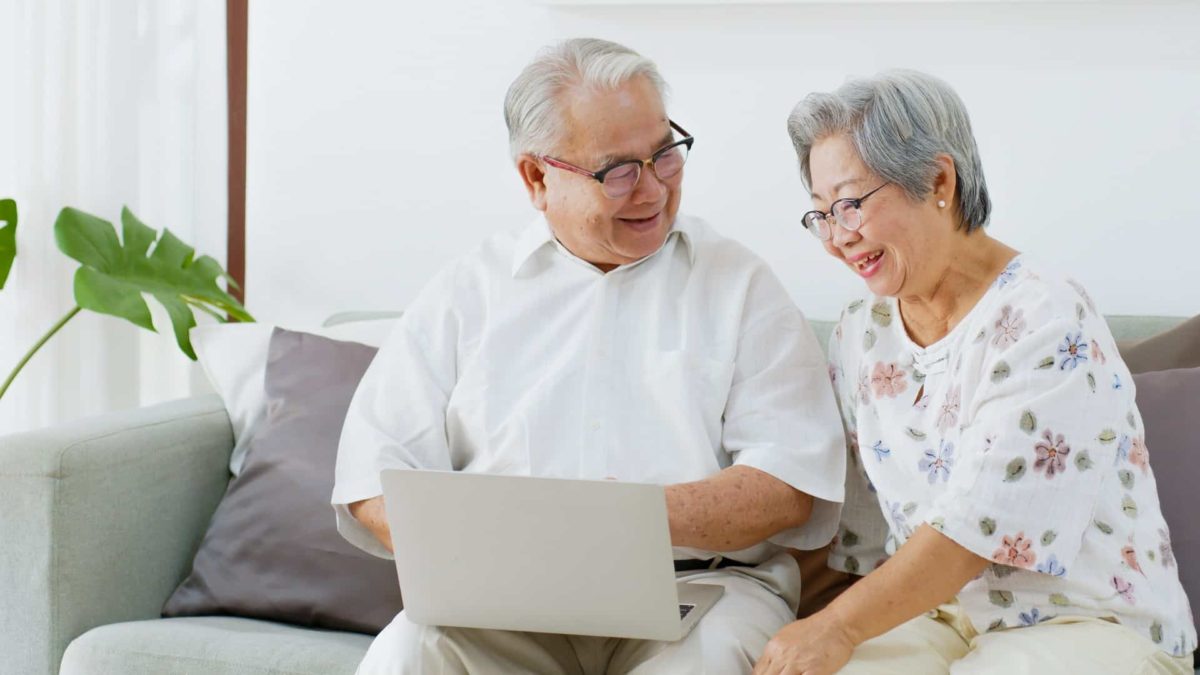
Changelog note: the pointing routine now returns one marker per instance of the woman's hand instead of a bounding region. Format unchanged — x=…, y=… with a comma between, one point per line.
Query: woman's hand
x=818, y=645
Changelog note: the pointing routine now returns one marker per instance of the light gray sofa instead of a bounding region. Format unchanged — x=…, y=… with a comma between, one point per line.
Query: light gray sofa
x=99, y=521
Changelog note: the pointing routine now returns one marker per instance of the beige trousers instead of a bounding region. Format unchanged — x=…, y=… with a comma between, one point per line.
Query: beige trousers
x=948, y=645
x=757, y=602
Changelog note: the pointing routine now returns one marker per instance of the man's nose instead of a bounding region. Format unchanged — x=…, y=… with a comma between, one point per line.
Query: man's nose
x=649, y=187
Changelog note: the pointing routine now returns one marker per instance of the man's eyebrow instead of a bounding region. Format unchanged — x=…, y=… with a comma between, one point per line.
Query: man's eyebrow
x=609, y=160
x=837, y=187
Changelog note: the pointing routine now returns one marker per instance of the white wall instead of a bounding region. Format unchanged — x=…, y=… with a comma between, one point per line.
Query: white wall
x=377, y=149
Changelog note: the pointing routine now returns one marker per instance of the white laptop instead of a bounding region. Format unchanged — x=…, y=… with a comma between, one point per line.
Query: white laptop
x=544, y=555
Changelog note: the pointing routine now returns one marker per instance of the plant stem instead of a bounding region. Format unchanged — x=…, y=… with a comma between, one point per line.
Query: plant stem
x=49, y=334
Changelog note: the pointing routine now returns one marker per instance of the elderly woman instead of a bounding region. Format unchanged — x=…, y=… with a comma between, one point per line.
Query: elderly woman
x=1001, y=468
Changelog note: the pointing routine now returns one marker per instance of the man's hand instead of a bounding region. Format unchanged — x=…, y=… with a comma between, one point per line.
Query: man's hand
x=372, y=514
x=734, y=509
x=818, y=645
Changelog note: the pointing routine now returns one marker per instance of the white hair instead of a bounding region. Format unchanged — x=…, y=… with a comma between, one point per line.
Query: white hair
x=532, y=108
x=899, y=121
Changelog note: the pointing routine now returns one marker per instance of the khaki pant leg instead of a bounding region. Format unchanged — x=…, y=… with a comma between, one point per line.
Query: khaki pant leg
x=1069, y=645
x=924, y=645
x=406, y=648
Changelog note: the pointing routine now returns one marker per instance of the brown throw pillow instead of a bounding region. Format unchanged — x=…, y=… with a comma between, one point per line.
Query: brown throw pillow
x=272, y=550
x=1176, y=348
x=1168, y=400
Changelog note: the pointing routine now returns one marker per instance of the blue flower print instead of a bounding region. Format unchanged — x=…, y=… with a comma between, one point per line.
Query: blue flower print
x=1116, y=381
x=939, y=463
x=1072, y=350
x=1009, y=273
x=1052, y=567
x=881, y=450
x=1032, y=617
x=1123, y=446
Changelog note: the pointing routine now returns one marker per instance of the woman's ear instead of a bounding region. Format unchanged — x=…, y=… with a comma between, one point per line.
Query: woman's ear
x=533, y=175
x=945, y=181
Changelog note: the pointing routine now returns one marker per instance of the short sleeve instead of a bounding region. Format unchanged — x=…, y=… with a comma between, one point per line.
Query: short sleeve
x=396, y=418
x=1034, y=448
x=862, y=532
x=780, y=416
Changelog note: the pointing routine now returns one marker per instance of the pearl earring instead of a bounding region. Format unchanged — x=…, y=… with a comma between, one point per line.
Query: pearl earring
x=941, y=203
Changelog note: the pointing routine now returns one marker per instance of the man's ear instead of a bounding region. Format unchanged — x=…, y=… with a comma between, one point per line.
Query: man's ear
x=533, y=174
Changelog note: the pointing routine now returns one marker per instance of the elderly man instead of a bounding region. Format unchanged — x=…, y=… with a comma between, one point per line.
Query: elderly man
x=610, y=338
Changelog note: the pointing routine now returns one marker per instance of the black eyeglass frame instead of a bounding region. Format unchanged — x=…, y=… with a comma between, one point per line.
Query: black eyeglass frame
x=599, y=176
x=848, y=202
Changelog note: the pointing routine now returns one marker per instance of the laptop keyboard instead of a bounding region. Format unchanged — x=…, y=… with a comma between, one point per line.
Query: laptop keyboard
x=684, y=610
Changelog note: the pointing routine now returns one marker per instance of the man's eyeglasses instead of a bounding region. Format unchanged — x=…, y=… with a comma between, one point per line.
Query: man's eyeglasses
x=620, y=178
x=847, y=213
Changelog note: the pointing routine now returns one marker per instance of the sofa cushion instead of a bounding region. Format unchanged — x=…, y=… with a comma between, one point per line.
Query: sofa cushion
x=1178, y=347
x=272, y=550
x=213, y=645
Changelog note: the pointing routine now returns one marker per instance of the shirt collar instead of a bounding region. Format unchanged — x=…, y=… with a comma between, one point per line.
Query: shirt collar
x=538, y=234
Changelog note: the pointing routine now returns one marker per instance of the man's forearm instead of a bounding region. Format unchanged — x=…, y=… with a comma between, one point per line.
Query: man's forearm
x=735, y=509
x=928, y=570
x=373, y=516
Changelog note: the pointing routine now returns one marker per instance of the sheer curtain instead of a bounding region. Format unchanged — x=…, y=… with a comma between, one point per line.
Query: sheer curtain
x=104, y=104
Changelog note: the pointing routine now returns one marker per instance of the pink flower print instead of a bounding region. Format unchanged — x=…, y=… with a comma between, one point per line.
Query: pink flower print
x=833, y=375
x=864, y=389
x=1124, y=589
x=888, y=380
x=1129, y=555
x=1098, y=354
x=1009, y=327
x=948, y=417
x=1015, y=551
x=1139, y=456
x=1052, y=454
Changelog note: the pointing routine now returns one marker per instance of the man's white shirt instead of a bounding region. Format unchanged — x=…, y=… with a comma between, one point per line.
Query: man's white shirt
x=522, y=359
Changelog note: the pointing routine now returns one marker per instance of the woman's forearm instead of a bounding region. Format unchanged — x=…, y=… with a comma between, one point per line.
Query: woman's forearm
x=928, y=570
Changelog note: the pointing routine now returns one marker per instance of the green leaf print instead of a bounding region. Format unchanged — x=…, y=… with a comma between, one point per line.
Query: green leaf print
x=1001, y=598
x=1126, y=477
x=1107, y=436
x=1083, y=461
x=1132, y=422
x=881, y=314
x=987, y=526
x=1091, y=379
x=868, y=340
x=910, y=508
x=1001, y=372
x=915, y=433
x=852, y=565
x=982, y=334
x=855, y=306
x=1156, y=632
x=998, y=624
x=1079, y=312
x=850, y=538
x=1103, y=527
x=1002, y=571
x=938, y=523
x=1045, y=363
x=1028, y=422
x=1059, y=600
x=1048, y=537
x=1015, y=470
x=1128, y=506
x=1150, y=554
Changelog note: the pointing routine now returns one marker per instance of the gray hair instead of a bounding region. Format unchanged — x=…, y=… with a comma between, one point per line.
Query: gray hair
x=899, y=121
x=531, y=107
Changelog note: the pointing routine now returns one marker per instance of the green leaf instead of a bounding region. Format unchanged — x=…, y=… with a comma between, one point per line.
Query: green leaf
x=1079, y=311
x=1129, y=507
x=850, y=538
x=1001, y=598
x=1150, y=554
x=1129, y=418
x=855, y=306
x=987, y=526
x=1091, y=380
x=910, y=508
x=1156, y=632
x=868, y=340
x=1083, y=461
x=1001, y=372
x=881, y=313
x=8, y=238
x=1048, y=537
x=1045, y=363
x=852, y=565
x=1015, y=470
x=1103, y=527
x=938, y=523
x=998, y=624
x=915, y=433
x=1107, y=436
x=1002, y=571
x=1028, y=422
x=114, y=274
x=1126, y=477
x=1058, y=599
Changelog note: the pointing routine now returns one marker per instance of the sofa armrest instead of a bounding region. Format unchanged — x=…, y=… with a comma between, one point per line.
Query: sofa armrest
x=100, y=519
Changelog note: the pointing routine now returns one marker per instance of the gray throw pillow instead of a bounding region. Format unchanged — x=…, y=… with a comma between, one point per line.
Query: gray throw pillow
x=1168, y=400
x=272, y=550
x=1175, y=348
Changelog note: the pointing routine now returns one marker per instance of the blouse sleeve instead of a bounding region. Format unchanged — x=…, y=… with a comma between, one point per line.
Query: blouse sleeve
x=1037, y=432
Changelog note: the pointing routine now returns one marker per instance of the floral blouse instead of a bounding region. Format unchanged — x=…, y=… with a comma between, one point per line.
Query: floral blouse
x=1017, y=436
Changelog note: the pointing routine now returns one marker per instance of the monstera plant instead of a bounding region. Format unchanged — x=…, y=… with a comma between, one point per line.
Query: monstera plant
x=114, y=274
